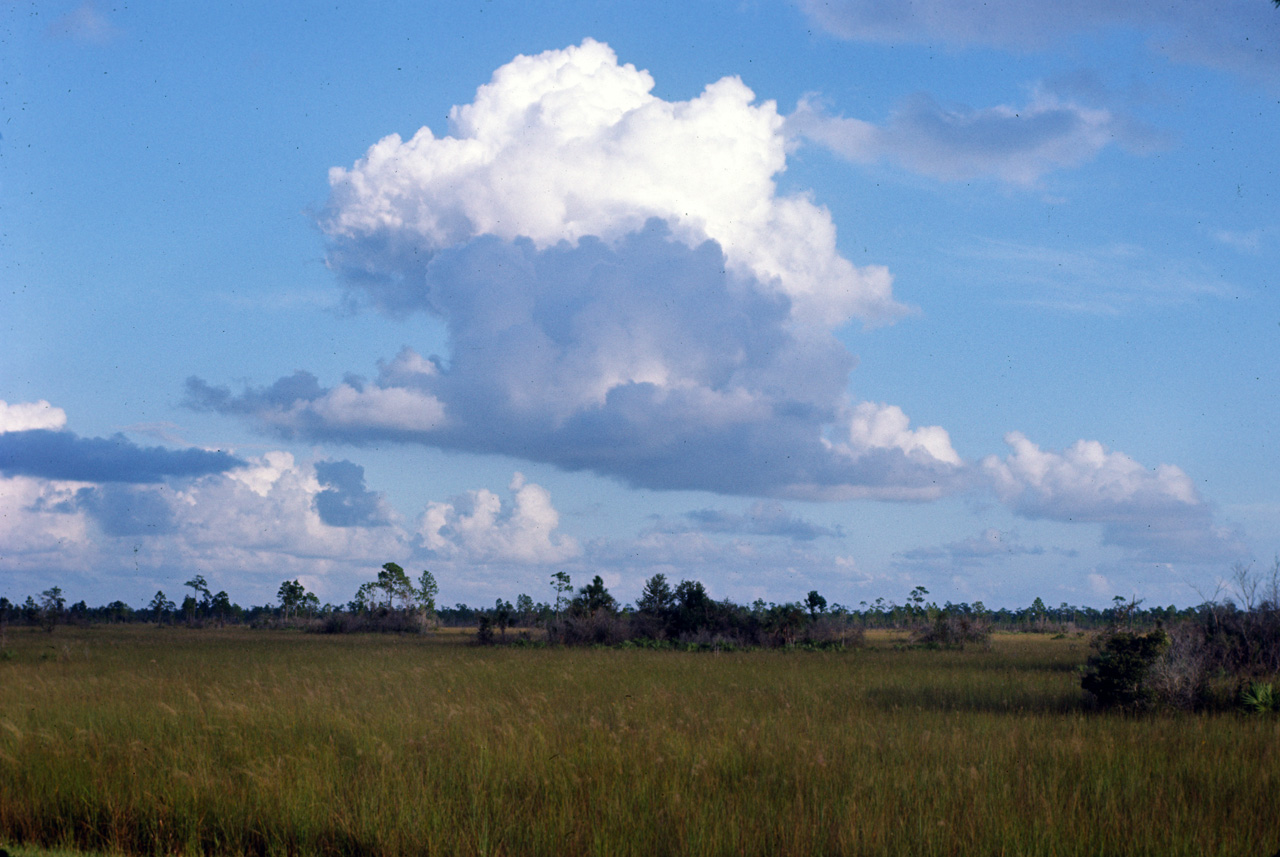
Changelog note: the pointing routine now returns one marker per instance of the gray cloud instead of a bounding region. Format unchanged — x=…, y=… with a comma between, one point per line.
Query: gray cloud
x=1015, y=144
x=344, y=500
x=127, y=510
x=762, y=519
x=1239, y=35
x=988, y=547
x=63, y=455
x=645, y=360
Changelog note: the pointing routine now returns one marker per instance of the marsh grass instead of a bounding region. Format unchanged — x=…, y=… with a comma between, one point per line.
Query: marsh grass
x=226, y=741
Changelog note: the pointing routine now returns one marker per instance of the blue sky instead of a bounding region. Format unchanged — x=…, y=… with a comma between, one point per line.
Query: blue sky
x=780, y=296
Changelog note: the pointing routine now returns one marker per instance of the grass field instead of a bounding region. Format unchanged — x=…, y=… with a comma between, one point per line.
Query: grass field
x=141, y=740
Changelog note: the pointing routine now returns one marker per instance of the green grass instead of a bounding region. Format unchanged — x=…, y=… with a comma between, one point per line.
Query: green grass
x=168, y=741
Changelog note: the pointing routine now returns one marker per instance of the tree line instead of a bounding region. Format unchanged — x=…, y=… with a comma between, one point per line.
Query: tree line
x=393, y=601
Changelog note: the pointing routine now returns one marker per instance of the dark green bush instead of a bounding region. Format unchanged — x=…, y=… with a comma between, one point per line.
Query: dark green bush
x=1116, y=676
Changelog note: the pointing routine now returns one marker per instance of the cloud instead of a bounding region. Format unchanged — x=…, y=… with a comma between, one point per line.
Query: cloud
x=479, y=528
x=1012, y=144
x=246, y=529
x=570, y=144
x=762, y=519
x=1156, y=514
x=885, y=427
x=1239, y=35
x=625, y=291
x=84, y=24
x=62, y=455
x=345, y=502
x=645, y=360
x=128, y=510
x=1104, y=280
x=991, y=545
x=1244, y=241
x=26, y=416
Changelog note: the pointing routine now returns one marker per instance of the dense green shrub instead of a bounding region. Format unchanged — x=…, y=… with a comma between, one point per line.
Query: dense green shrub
x=1260, y=698
x=1116, y=676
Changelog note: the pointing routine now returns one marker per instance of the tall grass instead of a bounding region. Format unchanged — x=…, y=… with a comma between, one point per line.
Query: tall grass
x=165, y=741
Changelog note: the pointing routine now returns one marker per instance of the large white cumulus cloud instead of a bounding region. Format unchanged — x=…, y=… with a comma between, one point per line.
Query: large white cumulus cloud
x=625, y=291
x=568, y=144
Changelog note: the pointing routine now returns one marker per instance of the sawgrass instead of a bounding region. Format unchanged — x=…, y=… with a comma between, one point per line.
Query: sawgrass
x=145, y=741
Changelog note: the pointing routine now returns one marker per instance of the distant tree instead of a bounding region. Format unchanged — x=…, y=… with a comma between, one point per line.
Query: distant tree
x=815, y=603
x=560, y=582
x=220, y=606
x=51, y=606
x=200, y=588
x=395, y=584
x=189, y=609
x=916, y=600
x=785, y=622
x=160, y=607
x=524, y=609
x=656, y=598
x=291, y=595
x=503, y=613
x=428, y=589
x=1038, y=613
x=365, y=598
x=594, y=597
x=310, y=604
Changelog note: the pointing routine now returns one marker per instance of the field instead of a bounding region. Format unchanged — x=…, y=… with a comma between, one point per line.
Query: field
x=143, y=740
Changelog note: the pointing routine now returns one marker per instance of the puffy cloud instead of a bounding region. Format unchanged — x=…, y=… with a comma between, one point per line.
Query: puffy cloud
x=1241, y=35
x=762, y=519
x=479, y=528
x=298, y=404
x=62, y=455
x=645, y=359
x=1156, y=513
x=570, y=144
x=1013, y=144
x=246, y=529
x=625, y=291
x=28, y=416
x=885, y=427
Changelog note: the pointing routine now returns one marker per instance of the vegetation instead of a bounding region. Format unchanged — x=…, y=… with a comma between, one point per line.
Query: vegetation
x=153, y=740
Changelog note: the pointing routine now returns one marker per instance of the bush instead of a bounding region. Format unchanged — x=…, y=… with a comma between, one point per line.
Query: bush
x=1259, y=698
x=954, y=631
x=1117, y=676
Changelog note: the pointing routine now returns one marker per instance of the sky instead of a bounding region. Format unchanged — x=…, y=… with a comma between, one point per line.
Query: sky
x=850, y=296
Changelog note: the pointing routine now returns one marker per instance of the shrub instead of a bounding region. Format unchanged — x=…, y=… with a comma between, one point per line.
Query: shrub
x=1259, y=698
x=1117, y=676
x=954, y=631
